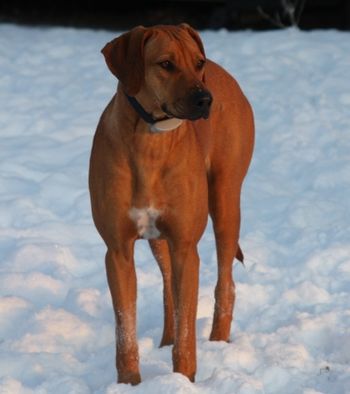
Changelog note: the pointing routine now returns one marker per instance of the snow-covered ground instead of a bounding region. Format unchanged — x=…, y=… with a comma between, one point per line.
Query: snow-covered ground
x=291, y=332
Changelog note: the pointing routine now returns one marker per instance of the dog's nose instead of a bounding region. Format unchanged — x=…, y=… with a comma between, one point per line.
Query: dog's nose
x=202, y=99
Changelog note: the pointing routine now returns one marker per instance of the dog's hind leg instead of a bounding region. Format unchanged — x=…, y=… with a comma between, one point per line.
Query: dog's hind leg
x=160, y=250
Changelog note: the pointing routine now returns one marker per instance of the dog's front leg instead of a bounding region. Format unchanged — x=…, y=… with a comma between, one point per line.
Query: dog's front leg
x=185, y=272
x=122, y=284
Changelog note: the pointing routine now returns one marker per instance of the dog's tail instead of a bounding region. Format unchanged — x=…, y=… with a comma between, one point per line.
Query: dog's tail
x=240, y=255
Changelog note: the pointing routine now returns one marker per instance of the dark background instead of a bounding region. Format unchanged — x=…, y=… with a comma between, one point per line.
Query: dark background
x=210, y=14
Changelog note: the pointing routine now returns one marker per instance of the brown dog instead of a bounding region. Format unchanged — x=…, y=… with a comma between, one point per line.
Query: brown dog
x=159, y=165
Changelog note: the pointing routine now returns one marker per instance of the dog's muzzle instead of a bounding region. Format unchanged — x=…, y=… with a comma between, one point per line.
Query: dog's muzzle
x=194, y=106
x=199, y=103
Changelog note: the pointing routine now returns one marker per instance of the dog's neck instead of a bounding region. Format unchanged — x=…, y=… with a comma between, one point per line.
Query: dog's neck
x=164, y=123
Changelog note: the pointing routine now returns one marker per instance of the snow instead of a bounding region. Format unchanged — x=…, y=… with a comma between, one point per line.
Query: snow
x=291, y=332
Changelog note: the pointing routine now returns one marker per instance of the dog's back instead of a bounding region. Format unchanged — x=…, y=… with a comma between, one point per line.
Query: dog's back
x=227, y=137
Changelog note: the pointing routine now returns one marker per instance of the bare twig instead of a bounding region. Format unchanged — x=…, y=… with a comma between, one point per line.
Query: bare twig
x=275, y=22
x=289, y=10
x=301, y=9
x=292, y=10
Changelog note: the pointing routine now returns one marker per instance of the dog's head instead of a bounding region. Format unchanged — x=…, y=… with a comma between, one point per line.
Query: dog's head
x=164, y=65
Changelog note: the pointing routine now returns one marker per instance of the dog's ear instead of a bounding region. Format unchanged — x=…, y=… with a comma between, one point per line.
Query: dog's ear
x=124, y=58
x=194, y=35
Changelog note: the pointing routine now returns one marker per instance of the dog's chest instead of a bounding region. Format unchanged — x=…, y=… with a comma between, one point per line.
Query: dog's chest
x=166, y=170
x=151, y=179
x=147, y=200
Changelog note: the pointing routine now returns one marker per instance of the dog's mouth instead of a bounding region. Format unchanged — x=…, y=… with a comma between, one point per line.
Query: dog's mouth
x=168, y=113
x=195, y=105
x=180, y=113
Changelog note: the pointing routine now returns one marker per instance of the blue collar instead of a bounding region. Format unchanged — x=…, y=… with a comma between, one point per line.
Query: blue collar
x=156, y=125
x=147, y=117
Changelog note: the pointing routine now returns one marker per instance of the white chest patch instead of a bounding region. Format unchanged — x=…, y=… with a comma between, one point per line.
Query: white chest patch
x=145, y=221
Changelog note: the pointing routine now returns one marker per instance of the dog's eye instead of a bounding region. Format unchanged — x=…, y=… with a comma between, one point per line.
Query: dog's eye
x=167, y=65
x=200, y=64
